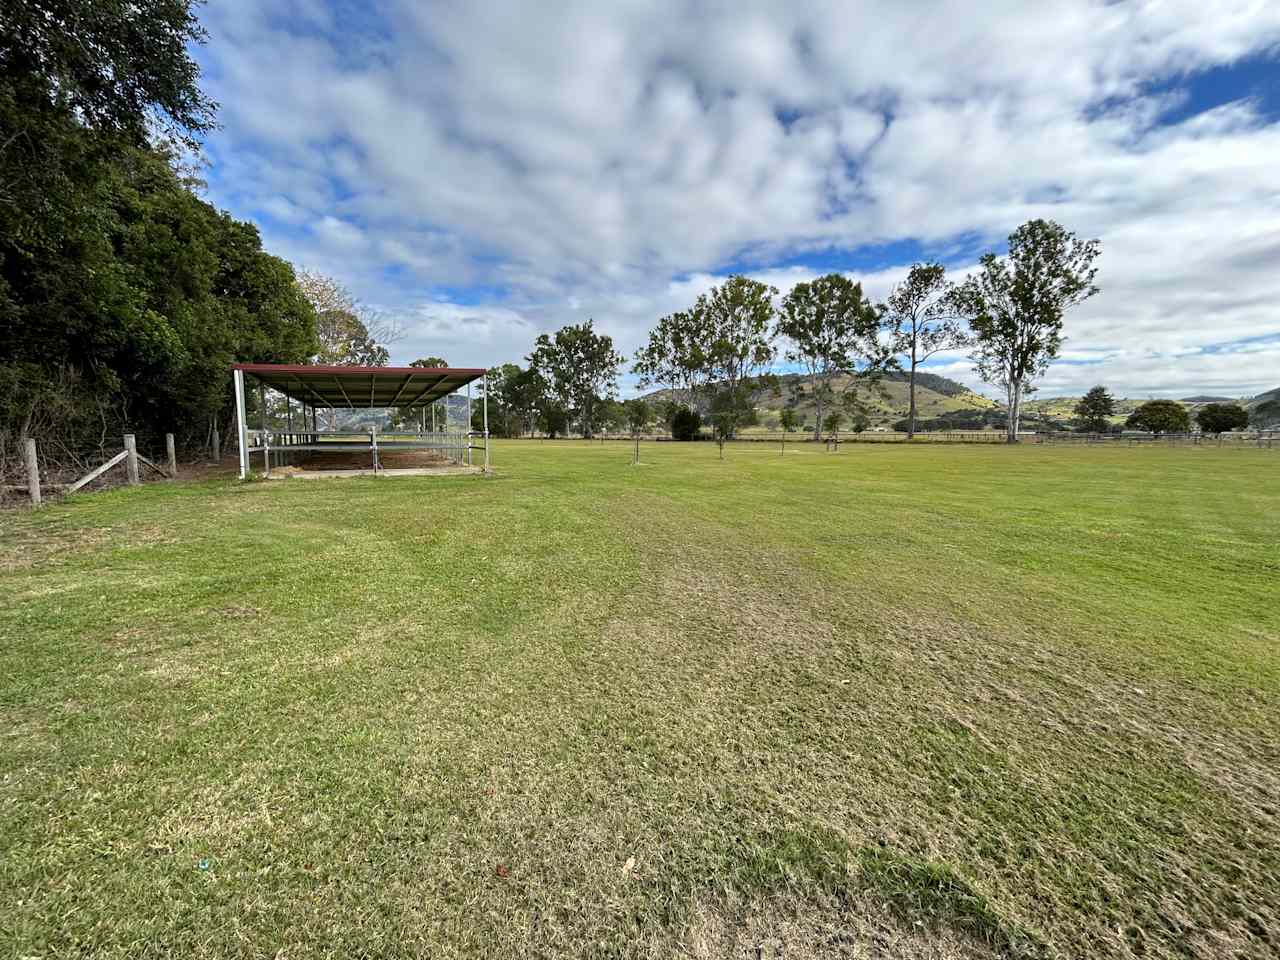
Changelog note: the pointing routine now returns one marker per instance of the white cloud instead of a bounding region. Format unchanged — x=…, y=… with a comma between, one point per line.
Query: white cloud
x=579, y=159
x=339, y=234
x=465, y=335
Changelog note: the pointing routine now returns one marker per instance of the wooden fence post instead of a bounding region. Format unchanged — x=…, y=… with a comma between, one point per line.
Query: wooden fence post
x=217, y=446
x=173, y=456
x=33, y=471
x=131, y=458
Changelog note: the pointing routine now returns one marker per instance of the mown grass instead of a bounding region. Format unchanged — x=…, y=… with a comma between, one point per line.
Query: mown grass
x=891, y=701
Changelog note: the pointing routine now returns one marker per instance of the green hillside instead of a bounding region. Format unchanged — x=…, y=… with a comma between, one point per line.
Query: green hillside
x=1264, y=397
x=938, y=398
x=1063, y=408
x=887, y=402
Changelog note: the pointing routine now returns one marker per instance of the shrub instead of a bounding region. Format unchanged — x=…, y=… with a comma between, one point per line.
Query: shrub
x=1160, y=416
x=686, y=424
x=1221, y=417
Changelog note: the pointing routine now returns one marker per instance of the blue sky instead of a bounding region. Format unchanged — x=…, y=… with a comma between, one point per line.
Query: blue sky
x=485, y=172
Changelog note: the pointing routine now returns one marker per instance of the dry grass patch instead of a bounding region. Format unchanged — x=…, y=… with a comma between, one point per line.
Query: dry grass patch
x=857, y=928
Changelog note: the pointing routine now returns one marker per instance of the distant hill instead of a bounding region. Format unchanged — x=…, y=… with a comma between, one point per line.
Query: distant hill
x=944, y=401
x=1263, y=398
x=935, y=397
x=1062, y=409
x=931, y=381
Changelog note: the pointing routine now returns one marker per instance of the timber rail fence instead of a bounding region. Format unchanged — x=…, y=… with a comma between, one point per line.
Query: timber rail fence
x=133, y=461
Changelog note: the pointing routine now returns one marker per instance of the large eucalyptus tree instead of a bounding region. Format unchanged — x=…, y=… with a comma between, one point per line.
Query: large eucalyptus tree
x=1015, y=306
x=921, y=316
x=833, y=332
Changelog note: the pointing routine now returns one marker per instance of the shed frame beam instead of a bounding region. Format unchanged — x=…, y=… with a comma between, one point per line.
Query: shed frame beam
x=439, y=380
x=312, y=391
x=404, y=386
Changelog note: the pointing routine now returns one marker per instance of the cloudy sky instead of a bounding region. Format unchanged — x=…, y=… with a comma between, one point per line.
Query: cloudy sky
x=485, y=171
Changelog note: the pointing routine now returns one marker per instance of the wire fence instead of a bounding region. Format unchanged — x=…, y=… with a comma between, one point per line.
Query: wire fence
x=867, y=436
x=1264, y=439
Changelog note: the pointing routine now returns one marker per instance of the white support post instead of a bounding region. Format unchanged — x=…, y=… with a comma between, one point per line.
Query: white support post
x=262, y=422
x=467, y=431
x=486, y=422
x=242, y=427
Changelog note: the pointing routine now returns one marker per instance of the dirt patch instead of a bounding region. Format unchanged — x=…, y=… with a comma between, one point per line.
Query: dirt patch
x=26, y=547
x=388, y=459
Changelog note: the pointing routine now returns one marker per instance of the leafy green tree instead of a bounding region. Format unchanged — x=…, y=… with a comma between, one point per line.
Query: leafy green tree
x=119, y=68
x=833, y=332
x=81, y=83
x=731, y=409
x=513, y=400
x=686, y=424
x=1015, y=306
x=611, y=416
x=1160, y=416
x=146, y=311
x=638, y=415
x=720, y=345
x=578, y=367
x=789, y=421
x=1095, y=409
x=833, y=422
x=553, y=419
x=1222, y=417
x=921, y=313
x=521, y=393
x=124, y=298
x=734, y=327
x=670, y=359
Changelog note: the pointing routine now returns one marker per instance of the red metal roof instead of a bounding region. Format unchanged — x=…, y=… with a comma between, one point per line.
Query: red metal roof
x=360, y=387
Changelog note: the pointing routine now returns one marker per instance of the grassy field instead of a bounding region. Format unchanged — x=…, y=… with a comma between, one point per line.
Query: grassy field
x=888, y=702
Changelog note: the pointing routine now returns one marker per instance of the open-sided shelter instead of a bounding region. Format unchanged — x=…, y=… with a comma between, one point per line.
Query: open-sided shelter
x=412, y=390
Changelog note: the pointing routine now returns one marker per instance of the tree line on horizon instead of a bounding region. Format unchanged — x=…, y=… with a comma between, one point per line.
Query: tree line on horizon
x=1096, y=409
x=714, y=360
